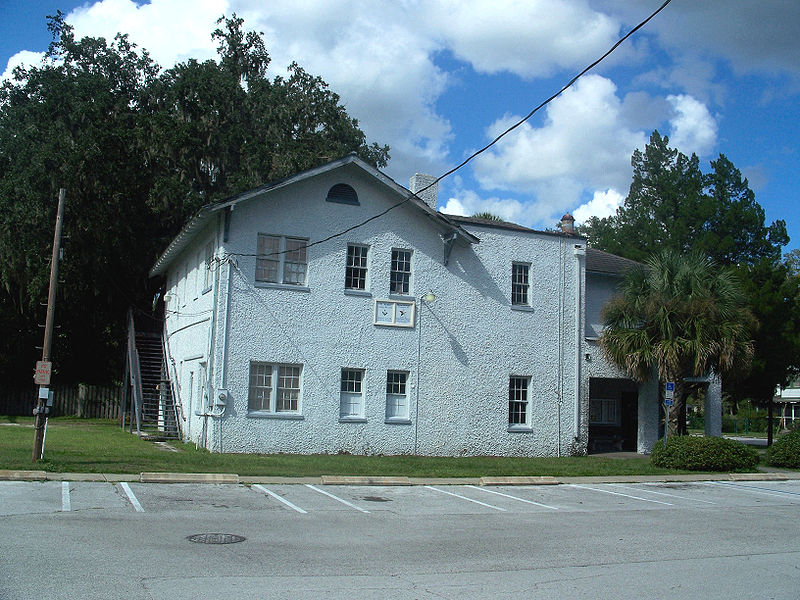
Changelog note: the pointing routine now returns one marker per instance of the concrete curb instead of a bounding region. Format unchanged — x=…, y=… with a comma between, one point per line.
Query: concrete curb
x=189, y=478
x=23, y=475
x=232, y=478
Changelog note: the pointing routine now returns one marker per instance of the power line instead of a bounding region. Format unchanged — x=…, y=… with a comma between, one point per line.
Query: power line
x=482, y=150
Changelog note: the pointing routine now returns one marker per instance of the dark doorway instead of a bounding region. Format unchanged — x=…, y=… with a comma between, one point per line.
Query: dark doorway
x=613, y=415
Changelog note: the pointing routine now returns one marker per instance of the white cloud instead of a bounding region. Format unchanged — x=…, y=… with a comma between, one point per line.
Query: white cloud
x=469, y=203
x=530, y=38
x=24, y=58
x=603, y=204
x=170, y=30
x=692, y=128
x=584, y=143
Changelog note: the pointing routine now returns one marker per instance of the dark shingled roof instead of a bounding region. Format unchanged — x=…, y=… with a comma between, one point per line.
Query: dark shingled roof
x=598, y=261
x=504, y=225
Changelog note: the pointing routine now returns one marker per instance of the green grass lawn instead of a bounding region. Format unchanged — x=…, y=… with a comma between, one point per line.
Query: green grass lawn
x=98, y=446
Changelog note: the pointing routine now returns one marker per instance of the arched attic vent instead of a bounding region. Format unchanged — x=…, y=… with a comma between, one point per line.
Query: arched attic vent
x=342, y=193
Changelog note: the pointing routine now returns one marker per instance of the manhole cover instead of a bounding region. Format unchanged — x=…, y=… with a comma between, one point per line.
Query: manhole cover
x=376, y=499
x=216, y=538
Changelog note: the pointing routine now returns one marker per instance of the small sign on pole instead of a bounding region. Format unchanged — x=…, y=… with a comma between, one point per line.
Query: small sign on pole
x=42, y=374
x=669, y=395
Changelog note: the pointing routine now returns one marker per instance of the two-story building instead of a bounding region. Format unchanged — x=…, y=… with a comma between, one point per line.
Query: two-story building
x=337, y=311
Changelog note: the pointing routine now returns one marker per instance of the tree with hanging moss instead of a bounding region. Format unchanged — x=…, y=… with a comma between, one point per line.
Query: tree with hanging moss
x=139, y=150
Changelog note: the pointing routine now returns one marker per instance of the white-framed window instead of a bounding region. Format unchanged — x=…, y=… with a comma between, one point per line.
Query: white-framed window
x=351, y=394
x=400, y=277
x=208, y=260
x=355, y=275
x=518, y=405
x=604, y=411
x=274, y=388
x=520, y=284
x=397, y=407
x=281, y=259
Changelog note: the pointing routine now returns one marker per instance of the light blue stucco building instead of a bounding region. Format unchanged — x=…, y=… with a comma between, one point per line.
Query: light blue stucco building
x=337, y=311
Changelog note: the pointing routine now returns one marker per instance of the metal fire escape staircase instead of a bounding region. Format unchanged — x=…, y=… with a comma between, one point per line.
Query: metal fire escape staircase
x=149, y=396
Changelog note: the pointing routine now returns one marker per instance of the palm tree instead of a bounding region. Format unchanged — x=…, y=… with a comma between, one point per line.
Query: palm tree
x=682, y=316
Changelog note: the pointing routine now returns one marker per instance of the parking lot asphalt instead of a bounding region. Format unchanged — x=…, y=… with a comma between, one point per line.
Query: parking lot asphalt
x=441, y=539
x=278, y=539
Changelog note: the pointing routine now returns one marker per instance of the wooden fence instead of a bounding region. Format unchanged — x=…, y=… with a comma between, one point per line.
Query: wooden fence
x=79, y=400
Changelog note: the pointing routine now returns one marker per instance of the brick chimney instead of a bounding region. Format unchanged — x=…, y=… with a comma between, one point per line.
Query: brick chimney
x=429, y=196
x=567, y=224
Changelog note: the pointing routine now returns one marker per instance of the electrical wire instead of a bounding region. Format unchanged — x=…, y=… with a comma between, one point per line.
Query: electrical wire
x=481, y=150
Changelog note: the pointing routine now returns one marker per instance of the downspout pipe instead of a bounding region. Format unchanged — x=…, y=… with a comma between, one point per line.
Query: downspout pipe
x=580, y=252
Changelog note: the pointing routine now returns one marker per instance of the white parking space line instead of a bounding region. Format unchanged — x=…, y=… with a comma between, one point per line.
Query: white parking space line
x=280, y=498
x=65, y=503
x=342, y=500
x=649, y=491
x=475, y=487
x=430, y=487
x=586, y=487
x=755, y=489
x=129, y=493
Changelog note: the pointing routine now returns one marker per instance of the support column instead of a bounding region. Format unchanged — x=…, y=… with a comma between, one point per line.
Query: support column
x=713, y=407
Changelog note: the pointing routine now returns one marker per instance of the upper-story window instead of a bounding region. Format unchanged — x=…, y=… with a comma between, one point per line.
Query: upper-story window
x=355, y=277
x=342, y=193
x=281, y=259
x=401, y=272
x=519, y=284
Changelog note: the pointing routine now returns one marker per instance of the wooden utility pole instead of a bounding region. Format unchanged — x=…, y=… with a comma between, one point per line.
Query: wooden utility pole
x=43, y=373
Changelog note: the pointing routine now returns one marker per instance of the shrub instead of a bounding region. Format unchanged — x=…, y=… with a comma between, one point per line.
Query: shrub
x=785, y=452
x=703, y=454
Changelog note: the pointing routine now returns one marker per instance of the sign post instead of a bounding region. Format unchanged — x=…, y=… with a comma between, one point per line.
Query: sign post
x=669, y=400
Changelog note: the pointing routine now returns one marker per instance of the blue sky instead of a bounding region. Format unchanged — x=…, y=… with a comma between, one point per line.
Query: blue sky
x=436, y=80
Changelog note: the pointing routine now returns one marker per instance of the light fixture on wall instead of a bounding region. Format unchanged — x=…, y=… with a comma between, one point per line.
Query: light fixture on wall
x=429, y=297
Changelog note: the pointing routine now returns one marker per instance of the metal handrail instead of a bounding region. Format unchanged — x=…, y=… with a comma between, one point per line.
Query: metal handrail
x=135, y=373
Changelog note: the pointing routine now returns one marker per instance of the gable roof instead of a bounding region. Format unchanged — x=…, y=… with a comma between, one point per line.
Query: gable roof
x=208, y=212
x=598, y=261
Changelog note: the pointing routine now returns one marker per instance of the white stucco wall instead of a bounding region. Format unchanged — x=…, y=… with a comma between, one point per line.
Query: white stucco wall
x=189, y=308
x=462, y=350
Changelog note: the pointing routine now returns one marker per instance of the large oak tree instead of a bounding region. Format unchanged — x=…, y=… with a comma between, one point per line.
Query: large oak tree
x=139, y=150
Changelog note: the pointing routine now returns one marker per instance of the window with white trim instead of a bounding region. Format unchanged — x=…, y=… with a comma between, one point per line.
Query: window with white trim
x=400, y=277
x=519, y=284
x=518, y=401
x=355, y=277
x=604, y=411
x=281, y=259
x=397, y=408
x=351, y=394
x=274, y=388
